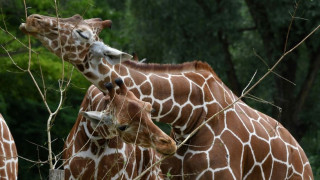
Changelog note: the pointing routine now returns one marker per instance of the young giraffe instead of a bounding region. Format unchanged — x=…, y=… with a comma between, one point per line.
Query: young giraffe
x=8, y=153
x=96, y=150
x=240, y=143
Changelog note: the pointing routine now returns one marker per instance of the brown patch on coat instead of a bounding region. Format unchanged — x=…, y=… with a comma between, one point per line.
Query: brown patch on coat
x=261, y=149
x=277, y=144
x=279, y=170
x=181, y=89
x=256, y=173
x=234, y=124
x=80, y=67
x=90, y=75
x=102, y=69
x=160, y=86
x=146, y=88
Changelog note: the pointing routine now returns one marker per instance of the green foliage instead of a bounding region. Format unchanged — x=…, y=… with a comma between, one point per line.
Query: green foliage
x=311, y=144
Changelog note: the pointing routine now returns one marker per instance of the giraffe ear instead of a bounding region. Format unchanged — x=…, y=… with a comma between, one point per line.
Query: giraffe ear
x=97, y=117
x=113, y=56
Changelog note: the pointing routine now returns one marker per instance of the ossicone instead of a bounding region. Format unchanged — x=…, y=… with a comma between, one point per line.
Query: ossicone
x=118, y=81
x=111, y=90
x=109, y=86
x=107, y=23
x=123, y=88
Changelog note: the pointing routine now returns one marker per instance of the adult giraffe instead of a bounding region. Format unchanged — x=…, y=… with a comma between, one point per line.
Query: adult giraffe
x=96, y=150
x=240, y=143
x=8, y=153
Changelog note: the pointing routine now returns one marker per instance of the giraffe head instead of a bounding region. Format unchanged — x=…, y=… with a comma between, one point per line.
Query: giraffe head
x=130, y=118
x=74, y=34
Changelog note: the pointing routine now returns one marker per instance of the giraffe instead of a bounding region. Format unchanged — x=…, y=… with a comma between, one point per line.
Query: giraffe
x=97, y=149
x=8, y=153
x=240, y=143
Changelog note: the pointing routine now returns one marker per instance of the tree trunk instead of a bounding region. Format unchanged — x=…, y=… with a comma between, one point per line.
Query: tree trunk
x=56, y=174
x=260, y=17
x=231, y=73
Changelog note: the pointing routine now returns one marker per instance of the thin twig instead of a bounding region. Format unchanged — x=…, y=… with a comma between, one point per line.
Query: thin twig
x=39, y=165
x=244, y=90
x=32, y=161
x=13, y=62
x=37, y=145
x=42, y=79
x=290, y=25
x=264, y=62
x=259, y=57
x=283, y=78
x=255, y=98
x=14, y=37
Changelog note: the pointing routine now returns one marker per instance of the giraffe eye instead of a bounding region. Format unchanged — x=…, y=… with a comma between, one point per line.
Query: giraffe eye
x=82, y=35
x=122, y=127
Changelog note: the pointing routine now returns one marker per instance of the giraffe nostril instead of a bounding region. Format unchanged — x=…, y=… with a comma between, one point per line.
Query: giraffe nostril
x=164, y=141
x=36, y=16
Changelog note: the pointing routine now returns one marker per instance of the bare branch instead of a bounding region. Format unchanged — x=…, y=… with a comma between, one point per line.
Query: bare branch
x=250, y=96
x=244, y=90
x=277, y=74
x=13, y=53
x=13, y=62
x=290, y=25
x=32, y=161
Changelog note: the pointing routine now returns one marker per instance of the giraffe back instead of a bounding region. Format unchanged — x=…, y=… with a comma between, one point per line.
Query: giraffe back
x=169, y=68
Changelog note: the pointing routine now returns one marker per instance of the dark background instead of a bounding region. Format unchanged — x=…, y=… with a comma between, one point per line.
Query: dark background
x=226, y=34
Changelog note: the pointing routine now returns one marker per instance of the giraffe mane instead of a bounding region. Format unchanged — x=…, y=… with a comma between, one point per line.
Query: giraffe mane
x=170, y=68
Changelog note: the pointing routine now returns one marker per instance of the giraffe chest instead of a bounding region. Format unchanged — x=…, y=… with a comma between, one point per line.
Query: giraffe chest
x=115, y=160
x=202, y=157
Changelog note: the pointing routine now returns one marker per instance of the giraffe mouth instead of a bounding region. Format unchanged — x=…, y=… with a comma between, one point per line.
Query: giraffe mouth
x=165, y=153
x=168, y=151
x=27, y=29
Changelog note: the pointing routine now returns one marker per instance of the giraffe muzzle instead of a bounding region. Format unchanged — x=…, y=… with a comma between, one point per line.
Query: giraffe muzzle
x=165, y=145
x=30, y=26
x=27, y=29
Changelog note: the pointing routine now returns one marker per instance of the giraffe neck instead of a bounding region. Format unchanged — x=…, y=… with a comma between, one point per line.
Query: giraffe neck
x=98, y=135
x=88, y=155
x=97, y=71
x=180, y=97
